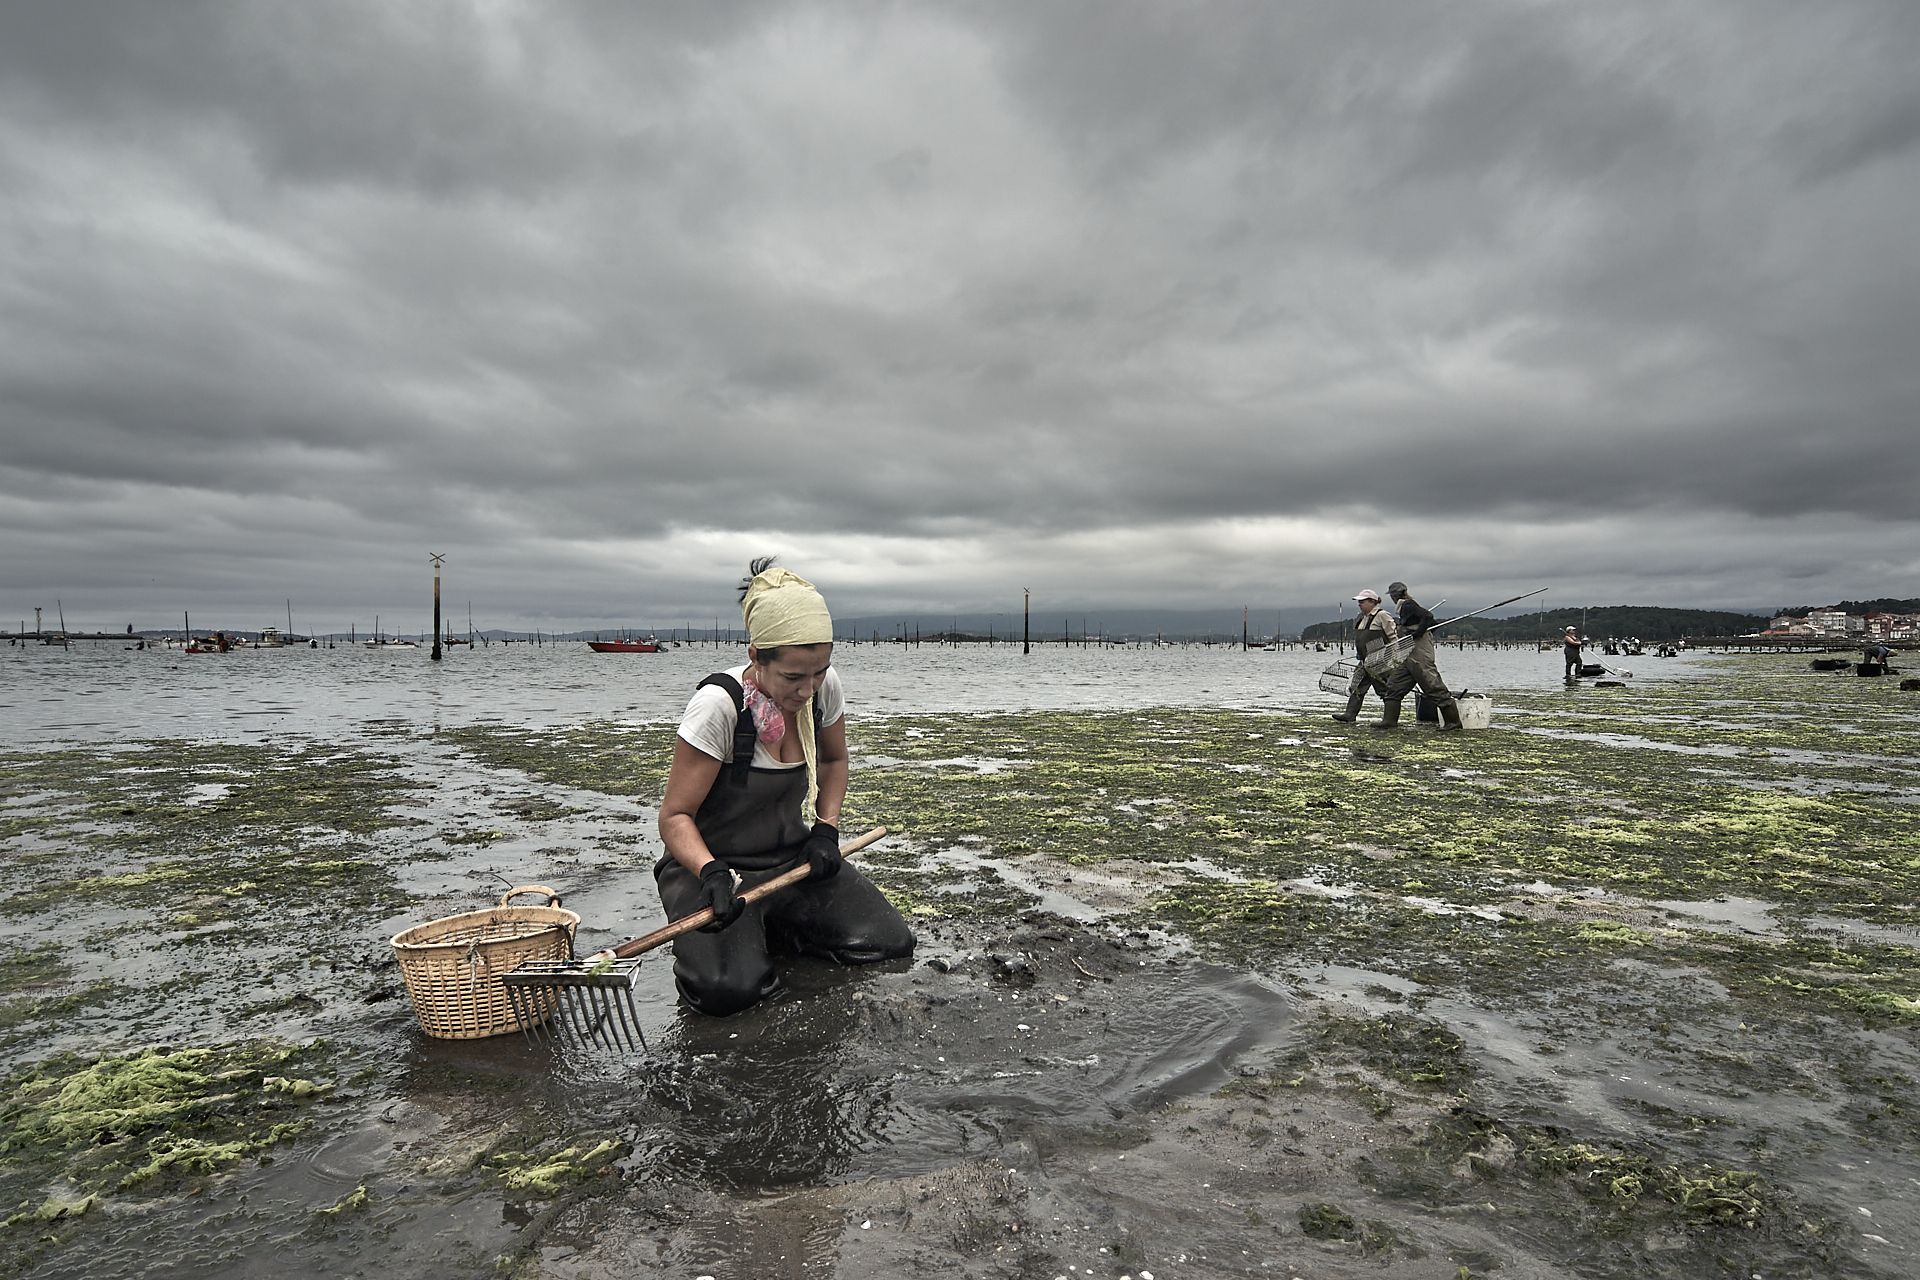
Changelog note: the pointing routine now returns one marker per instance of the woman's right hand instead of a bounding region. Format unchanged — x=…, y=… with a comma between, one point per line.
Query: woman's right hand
x=717, y=887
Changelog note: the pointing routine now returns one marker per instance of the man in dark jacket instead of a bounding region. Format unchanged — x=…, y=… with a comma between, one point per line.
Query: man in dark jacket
x=1418, y=622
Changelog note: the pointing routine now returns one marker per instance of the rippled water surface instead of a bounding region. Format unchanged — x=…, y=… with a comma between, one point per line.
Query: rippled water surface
x=98, y=691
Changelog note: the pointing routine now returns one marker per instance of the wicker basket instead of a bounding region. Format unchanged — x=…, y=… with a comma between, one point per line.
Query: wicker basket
x=453, y=966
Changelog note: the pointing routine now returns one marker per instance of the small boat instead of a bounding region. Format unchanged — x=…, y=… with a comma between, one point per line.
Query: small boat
x=387, y=642
x=270, y=638
x=649, y=645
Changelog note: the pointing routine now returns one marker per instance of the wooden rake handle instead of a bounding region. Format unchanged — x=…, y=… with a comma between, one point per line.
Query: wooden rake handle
x=687, y=924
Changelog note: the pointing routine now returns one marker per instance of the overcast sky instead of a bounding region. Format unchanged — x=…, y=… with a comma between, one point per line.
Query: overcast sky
x=1131, y=304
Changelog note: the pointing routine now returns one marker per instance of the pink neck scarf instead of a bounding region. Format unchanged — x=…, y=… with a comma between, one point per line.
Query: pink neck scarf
x=768, y=723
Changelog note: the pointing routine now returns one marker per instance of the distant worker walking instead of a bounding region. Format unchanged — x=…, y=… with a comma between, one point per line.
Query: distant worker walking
x=1417, y=621
x=1570, y=643
x=1373, y=629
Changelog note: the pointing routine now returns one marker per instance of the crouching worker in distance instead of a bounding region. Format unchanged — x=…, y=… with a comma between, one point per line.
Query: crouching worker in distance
x=758, y=746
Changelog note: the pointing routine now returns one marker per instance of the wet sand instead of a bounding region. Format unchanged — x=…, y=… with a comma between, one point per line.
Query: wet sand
x=1627, y=985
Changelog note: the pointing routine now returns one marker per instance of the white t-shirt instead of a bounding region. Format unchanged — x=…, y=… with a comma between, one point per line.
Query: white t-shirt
x=707, y=724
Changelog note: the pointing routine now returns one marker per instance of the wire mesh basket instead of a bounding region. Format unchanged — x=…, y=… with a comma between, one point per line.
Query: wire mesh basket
x=1384, y=662
x=1338, y=678
x=453, y=966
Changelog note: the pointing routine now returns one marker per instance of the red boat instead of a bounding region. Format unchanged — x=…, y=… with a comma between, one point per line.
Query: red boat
x=648, y=645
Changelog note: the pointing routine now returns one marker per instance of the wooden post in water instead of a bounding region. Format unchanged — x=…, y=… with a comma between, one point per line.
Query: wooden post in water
x=1244, y=646
x=436, y=559
x=1026, y=620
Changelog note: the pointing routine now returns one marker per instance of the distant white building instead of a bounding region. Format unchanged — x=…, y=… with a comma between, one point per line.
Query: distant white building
x=1833, y=622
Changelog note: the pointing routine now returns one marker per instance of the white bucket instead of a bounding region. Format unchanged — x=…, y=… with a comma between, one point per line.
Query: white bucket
x=1476, y=710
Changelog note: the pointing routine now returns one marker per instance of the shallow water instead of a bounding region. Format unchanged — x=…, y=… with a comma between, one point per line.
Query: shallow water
x=102, y=692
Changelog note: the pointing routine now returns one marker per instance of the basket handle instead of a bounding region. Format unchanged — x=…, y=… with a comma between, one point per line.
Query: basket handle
x=553, y=899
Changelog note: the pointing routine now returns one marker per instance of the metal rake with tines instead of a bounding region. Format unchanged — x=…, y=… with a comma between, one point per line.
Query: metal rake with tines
x=590, y=1000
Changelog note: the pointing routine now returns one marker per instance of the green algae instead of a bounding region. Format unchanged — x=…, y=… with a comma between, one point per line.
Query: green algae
x=52, y=1209
x=548, y=1173
x=353, y=1202
x=1456, y=1156
x=1463, y=822
x=1612, y=931
x=1725, y=1197
x=613, y=758
x=1624, y=1182
x=265, y=831
x=1418, y=1052
x=1321, y=1221
x=123, y=1121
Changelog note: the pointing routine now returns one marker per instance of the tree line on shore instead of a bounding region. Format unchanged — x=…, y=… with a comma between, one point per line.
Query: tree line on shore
x=1644, y=622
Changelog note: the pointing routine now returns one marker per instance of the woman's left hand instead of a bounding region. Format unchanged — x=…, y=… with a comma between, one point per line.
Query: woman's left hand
x=823, y=851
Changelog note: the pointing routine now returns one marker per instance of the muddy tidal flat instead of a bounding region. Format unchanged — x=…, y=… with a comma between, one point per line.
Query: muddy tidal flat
x=1625, y=986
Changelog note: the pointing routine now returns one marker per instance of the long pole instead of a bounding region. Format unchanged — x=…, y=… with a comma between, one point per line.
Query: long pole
x=1477, y=612
x=1026, y=621
x=436, y=559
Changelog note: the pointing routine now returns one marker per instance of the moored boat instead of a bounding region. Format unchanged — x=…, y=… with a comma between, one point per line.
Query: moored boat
x=649, y=645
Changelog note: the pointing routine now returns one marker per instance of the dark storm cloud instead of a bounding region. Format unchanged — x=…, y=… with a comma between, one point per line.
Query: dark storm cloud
x=1163, y=301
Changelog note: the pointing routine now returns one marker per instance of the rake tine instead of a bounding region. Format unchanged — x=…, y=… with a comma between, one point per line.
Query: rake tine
x=579, y=1017
x=525, y=1013
x=630, y=1015
x=519, y=1008
x=595, y=1015
x=611, y=1000
x=611, y=1023
x=540, y=1015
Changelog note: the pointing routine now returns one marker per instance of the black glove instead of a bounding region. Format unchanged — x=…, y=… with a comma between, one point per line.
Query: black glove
x=823, y=851
x=716, y=886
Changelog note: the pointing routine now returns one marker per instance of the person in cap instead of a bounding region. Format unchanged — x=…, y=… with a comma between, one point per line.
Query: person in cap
x=1570, y=643
x=1372, y=629
x=1417, y=622
x=759, y=746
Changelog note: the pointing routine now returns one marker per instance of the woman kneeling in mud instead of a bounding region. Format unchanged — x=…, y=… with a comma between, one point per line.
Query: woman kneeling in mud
x=759, y=745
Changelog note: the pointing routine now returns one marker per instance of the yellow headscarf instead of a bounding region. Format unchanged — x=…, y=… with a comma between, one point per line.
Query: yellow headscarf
x=782, y=608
